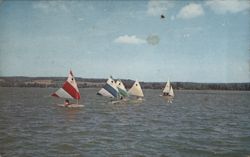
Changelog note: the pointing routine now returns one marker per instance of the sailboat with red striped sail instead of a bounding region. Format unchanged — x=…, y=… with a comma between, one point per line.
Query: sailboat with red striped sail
x=69, y=90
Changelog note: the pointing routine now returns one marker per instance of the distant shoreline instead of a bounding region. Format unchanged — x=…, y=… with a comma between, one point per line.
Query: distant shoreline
x=46, y=82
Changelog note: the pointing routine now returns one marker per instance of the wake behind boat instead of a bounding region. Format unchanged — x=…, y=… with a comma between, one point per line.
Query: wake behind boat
x=69, y=90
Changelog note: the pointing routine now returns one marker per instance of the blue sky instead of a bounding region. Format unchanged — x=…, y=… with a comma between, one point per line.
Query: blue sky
x=197, y=41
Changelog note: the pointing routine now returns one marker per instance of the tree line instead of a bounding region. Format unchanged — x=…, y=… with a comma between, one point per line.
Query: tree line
x=56, y=82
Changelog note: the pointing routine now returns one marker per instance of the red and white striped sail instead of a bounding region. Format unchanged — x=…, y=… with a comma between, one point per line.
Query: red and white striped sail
x=69, y=89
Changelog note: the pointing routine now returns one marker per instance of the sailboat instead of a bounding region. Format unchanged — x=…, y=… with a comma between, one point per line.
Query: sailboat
x=109, y=89
x=171, y=92
x=121, y=88
x=168, y=90
x=69, y=90
x=136, y=91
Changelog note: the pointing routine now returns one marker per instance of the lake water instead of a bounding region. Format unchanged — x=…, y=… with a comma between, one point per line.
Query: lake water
x=197, y=123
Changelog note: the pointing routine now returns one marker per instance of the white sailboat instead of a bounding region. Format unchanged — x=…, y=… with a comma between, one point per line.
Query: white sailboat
x=136, y=91
x=168, y=90
x=171, y=92
x=69, y=90
x=121, y=88
x=109, y=90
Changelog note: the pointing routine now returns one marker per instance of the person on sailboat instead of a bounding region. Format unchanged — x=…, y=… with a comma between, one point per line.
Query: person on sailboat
x=66, y=103
x=166, y=94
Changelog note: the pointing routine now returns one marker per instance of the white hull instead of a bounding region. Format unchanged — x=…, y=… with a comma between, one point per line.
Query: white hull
x=128, y=101
x=136, y=101
x=117, y=102
x=71, y=105
x=167, y=96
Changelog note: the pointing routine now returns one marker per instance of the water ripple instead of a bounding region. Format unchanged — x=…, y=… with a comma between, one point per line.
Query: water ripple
x=197, y=123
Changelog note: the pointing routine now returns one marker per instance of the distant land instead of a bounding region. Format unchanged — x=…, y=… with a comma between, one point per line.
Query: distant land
x=56, y=82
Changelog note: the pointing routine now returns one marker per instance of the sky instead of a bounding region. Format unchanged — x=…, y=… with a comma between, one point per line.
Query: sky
x=196, y=41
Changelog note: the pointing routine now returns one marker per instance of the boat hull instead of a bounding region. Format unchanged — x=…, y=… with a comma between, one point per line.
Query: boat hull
x=71, y=105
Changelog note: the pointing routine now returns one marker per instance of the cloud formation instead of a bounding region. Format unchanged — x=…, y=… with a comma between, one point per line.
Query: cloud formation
x=232, y=6
x=50, y=6
x=190, y=11
x=158, y=7
x=126, y=39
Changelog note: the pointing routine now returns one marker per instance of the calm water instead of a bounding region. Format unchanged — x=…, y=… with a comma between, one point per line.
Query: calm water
x=197, y=123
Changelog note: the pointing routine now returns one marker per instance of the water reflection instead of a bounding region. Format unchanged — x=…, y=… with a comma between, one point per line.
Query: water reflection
x=71, y=113
x=168, y=99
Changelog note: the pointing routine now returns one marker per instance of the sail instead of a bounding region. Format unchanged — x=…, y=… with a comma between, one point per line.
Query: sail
x=136, y=90
x=121, y=88
x=69, y=89
x=167, y=88
x=109, y=89
x=171, y=92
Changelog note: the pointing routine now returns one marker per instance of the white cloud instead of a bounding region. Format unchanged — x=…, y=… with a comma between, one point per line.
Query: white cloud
x=50, y=6
x=190, y=11
x=232, y=6
x=158, y=7
x=125, y=39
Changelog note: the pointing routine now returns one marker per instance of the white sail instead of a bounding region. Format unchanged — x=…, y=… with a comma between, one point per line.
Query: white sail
x=167, y=88
x=136, y=90
x=121, y=88
x=171, y=92
x=109, y=89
